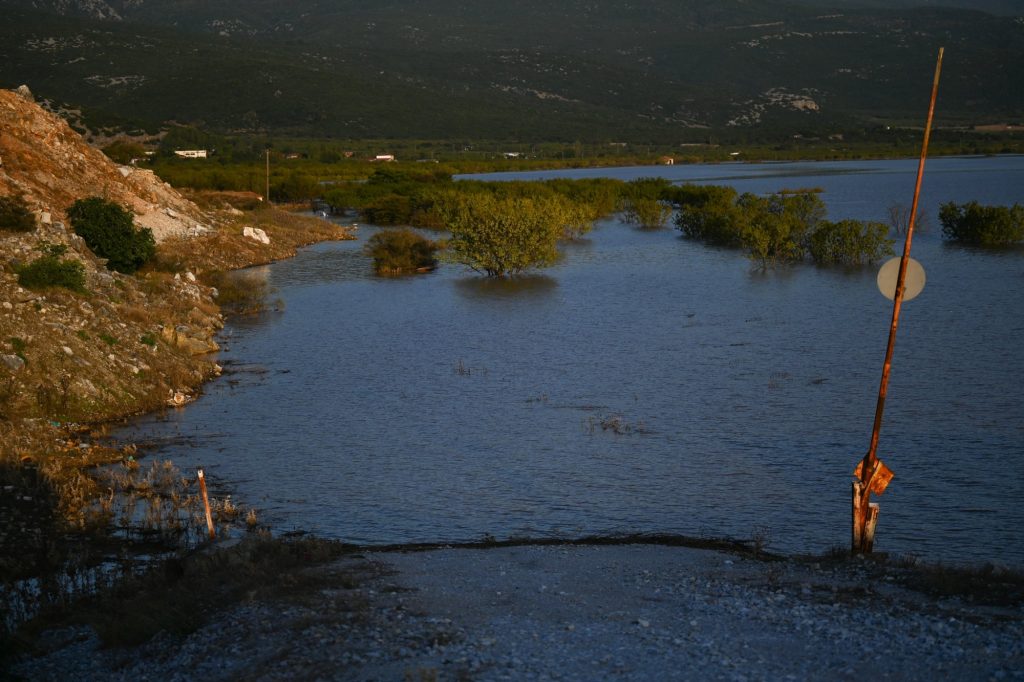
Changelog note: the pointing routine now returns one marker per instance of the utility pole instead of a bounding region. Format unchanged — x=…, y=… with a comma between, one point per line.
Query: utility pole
x=268, y=176
x=872, y=475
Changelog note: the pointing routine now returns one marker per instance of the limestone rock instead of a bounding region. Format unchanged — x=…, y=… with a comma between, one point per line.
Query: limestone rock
x=179, y=337
x=256, y=234
x=12, y=362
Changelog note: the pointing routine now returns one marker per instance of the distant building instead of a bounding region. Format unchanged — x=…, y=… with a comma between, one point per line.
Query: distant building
x=384, y=157
x=190, y=153
x=511, y=155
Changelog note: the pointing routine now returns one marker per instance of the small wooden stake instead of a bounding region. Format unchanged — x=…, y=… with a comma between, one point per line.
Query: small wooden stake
x=206, y=503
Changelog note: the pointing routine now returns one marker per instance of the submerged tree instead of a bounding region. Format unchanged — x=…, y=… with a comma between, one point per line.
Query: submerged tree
x=501, y=236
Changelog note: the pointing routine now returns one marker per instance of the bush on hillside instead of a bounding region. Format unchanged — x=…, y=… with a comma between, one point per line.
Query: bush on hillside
x=15, y=216
x=50, y=270
x=109, y=230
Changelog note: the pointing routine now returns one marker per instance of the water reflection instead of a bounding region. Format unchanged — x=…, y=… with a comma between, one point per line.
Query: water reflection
x=525, y=287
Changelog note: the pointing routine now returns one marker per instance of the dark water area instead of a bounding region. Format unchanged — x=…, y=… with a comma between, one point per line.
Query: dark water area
x=447, y=407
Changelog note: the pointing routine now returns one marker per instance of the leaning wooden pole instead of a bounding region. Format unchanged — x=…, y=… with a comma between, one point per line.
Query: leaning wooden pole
x=872, y=475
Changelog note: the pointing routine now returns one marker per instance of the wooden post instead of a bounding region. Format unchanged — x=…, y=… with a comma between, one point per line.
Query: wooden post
x=206, y=504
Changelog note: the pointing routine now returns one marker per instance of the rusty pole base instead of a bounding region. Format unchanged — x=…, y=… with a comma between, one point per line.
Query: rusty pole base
x=865, y=518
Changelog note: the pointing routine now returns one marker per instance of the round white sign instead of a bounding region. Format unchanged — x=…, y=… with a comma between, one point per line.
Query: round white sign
x=912, y=284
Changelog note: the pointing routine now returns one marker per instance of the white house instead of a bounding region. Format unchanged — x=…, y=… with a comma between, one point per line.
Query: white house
x=190, y=153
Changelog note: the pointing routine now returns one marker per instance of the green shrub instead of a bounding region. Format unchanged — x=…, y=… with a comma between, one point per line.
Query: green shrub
x=709, y=213
x=396, y=251
x=108, y=229
x=148, y=339
x=979, y=225
x=775, y=228
x=849, y=242
x=49, y=270
x=15, y=216
x=649, y=213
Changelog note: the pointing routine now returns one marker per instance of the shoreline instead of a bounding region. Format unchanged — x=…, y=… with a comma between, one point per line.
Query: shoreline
x=633, y=611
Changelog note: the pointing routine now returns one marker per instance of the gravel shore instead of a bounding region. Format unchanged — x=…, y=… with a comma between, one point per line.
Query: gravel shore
x=630, y=612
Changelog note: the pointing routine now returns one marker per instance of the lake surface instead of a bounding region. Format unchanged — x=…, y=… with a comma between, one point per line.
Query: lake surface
x=446, y=407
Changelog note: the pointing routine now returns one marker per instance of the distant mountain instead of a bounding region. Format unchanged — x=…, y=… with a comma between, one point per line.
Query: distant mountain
x=1003, y=7
x=660, y=70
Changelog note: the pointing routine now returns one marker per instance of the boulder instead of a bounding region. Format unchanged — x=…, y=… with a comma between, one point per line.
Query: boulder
x=256, y=234
x=194, y=345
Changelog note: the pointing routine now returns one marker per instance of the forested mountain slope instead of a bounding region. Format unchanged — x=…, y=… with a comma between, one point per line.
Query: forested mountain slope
x=562, y=69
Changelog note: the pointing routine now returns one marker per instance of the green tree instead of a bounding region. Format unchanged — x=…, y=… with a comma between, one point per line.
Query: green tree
x=849, y=242
x=980, y=225
x=15, y=216
x=109, y=230
x=398, y=251
x=502, y=236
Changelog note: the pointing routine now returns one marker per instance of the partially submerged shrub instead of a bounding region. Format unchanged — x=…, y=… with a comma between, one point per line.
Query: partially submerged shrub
x=50, y=270
x=645, y=202
x=397, y=251
x=648, y=213
x=849, y=242
x=15, y=216
x=979, y=225
x=109, y=230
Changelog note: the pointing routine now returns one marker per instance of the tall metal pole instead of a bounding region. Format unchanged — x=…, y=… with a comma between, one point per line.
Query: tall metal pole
x=864, y=515
x=268, y=177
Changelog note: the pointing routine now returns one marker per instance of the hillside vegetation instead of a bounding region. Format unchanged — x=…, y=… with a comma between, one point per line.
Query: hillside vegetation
x=663, y=71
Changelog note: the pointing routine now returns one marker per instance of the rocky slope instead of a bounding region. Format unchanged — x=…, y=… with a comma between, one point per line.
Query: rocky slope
x=127, y=343
x=46, y=162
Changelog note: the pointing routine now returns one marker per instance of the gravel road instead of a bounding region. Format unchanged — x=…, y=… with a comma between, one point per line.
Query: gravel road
x=631, y=612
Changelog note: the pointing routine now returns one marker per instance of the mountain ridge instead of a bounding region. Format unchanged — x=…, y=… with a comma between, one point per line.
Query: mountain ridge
x=579, y=69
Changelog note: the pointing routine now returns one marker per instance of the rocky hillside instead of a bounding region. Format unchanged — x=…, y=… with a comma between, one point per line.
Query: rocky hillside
x=45, y=162
x=72, y=360
x=122, y=344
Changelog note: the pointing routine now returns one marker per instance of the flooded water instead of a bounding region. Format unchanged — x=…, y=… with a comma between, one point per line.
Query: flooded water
x=446, y=407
